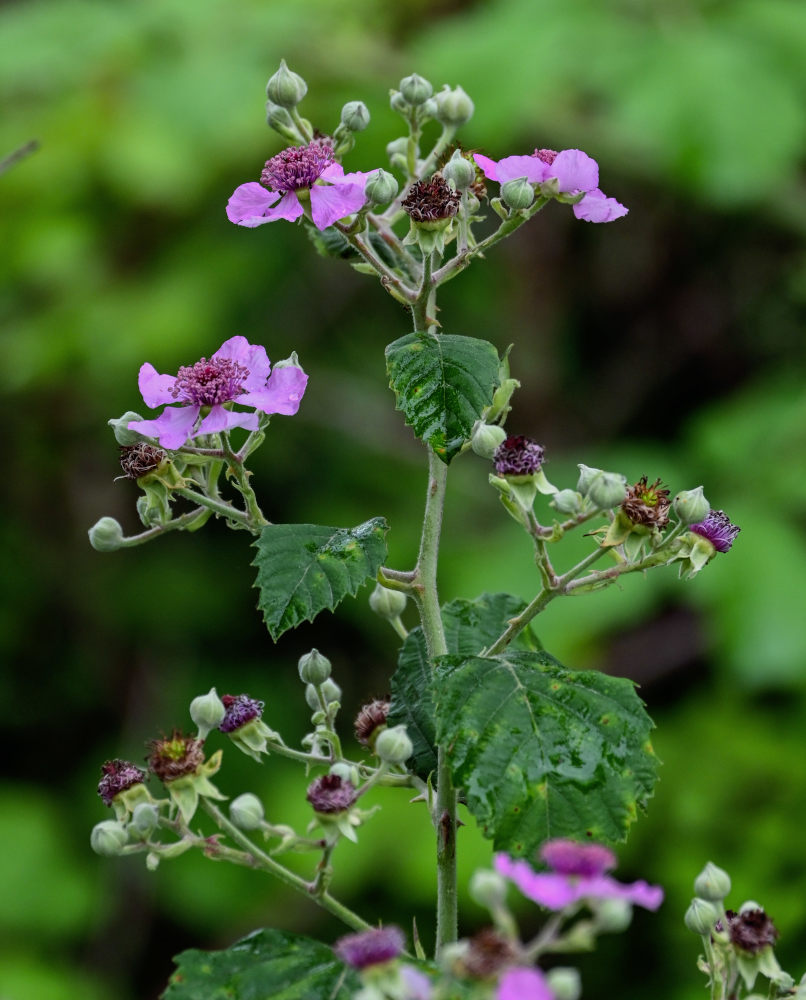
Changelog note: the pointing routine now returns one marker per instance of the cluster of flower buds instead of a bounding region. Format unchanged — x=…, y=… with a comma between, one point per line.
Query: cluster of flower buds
x=739, y=944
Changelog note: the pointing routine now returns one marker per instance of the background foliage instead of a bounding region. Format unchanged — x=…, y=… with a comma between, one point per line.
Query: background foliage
x=668, y=344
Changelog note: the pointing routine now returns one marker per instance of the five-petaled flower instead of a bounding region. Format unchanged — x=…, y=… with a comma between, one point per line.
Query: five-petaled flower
x=238, y=372
x=577, y=873
x=300, y=173
x=573, y=171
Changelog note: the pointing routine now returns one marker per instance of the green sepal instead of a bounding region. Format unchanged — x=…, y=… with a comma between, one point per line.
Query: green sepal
x=251, y=738
x=517, y=497
x=125, y=802
x=185, y=791
x=619, y=530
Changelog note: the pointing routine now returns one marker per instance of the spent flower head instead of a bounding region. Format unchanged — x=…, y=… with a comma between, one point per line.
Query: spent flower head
x=372, y=947
x=118, y=776
x=647, y=504
x=518, y=456
x=330, y=794
x=431, y=201
x=718, y=530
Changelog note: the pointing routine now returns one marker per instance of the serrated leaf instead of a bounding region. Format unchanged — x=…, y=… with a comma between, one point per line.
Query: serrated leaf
x=442, y=384
x=542, y=751
x=469, y=627
x=305, y=568
x=267, y=963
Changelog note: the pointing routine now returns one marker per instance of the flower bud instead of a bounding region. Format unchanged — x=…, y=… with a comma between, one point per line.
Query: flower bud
x=750, y=906
x=152, y=861
x=488, y=888
x=517, y=194
x=607, y=489
x=712, y=884
x=613, y=915
x=459, y=171
x=567, y=502
x=701, y=916
x=397, y=102
x=314, y=668
x=345, y=771
x=286, y=88
x=691, y=506
x=108, y=838
x=564, y=982
x=429, y=109
x=486, y=439
x=280, y=120
x=106, y=535
x=355, y=116
x=120, y=428
x=330, y=692
x=393, y=745
x=246, y=812
x=415, y=89
x=145, y=818
x=586, y=476
x=207, y=712
x=382, y=187
x=454, y=107
x=387, y=603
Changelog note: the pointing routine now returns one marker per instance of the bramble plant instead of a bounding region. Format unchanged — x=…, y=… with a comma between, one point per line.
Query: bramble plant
x=545, y=758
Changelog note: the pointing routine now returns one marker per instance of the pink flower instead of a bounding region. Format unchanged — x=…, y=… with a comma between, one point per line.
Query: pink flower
x=238, y=372
x=309, y=169
x=574, y=172
x=578, y=872
x=523, y=984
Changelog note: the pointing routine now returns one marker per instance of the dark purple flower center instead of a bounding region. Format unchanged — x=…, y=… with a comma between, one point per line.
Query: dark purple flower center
x=240, y=710
x=331, y=794
x=546, y=155
x=518, y=456
x=569, y=858
x=208, y=383
x=380, y=944
x=297, y=167
x=751, y=930
x=431, y=200
x=718, y=529
x=118, y=775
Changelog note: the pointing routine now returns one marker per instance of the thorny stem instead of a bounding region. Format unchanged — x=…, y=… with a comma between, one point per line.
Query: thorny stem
x=174, y=525
x=236, y=466
x=388, y=276
x=220, y=507
x=419, y=309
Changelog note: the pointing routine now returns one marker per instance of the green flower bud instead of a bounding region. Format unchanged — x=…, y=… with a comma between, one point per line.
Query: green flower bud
x=393, y=745
x=108, y=838
x=749, y=905
x=488, y=888
x=565, y=983
x=246, y=812
x=454, y=107
x=314, y=668
x=613, y=915
x=415, y=89
x=586, y=476
x=691, y=506
x=486, y=439
x=567, y=502
x=517, y=194
x=120, y=428
x=152, y=861
x=382, y=187
x=145, y=818
x=701, y=916
x=712, y=884
x=207, y=712
x=347, y=772
x=607, y=489
x=397, y=102
x=106, y=535
x=330, y=692
x=429, y=109
x=280, y=120
x=286, y=88
x=459, y=171
x=387, y=603
x=355, y=116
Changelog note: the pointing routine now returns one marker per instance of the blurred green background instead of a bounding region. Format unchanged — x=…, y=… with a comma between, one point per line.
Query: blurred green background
x=669, y=343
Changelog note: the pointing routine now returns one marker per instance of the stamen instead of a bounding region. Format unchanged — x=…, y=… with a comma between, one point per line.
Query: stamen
x=297, y=167
x=546, y=155
x=208, y=383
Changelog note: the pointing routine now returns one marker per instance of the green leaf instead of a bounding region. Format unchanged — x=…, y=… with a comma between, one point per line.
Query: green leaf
x=442, y=384
x=469, y=627
x=305, y=568
x=267, y=963
x=542, y=751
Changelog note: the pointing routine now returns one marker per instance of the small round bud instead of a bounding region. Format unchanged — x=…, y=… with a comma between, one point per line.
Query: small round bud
x=486, y=439
x=345, y=771
x=397, y=147
x=286, y=88
x=246, y=812
x=517, y=194
x=565, y=983
x=280, y=120
x=415, y=89
x=488, y=888
x=397, y=102
x=586, y=476
x=608, y=489
x=314, y=668
x=108, y=838
x=120, y=427
x=454, y=107
x=701, y=916
x=749, y=906
x=613, y=915
x=106, y=535
x=355, y=116
x=712, y=884
x=330, y=692
x=567, y=502
x=387, y=603
x=382, y=187
x=691, y=506
x=429, y=108
x=145, y=818
x=152, y=861
x=393, y=745
x=459, y=171
x=207, y=712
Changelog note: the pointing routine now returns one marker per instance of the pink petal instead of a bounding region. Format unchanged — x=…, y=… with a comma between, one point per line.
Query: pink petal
x=219, y=419
x=155, y=388
x=523, y=984
x=288, y=208
x=418, y=985
x=639, y=893
x=331, y=202
x=597, y=207
x=172, y=427
x=551, y=891
x=251, y=356
x=248, y=204
x=488, y=166
x=532, y=168
x=333, y=172
x=282, y=393
x=575, y=171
